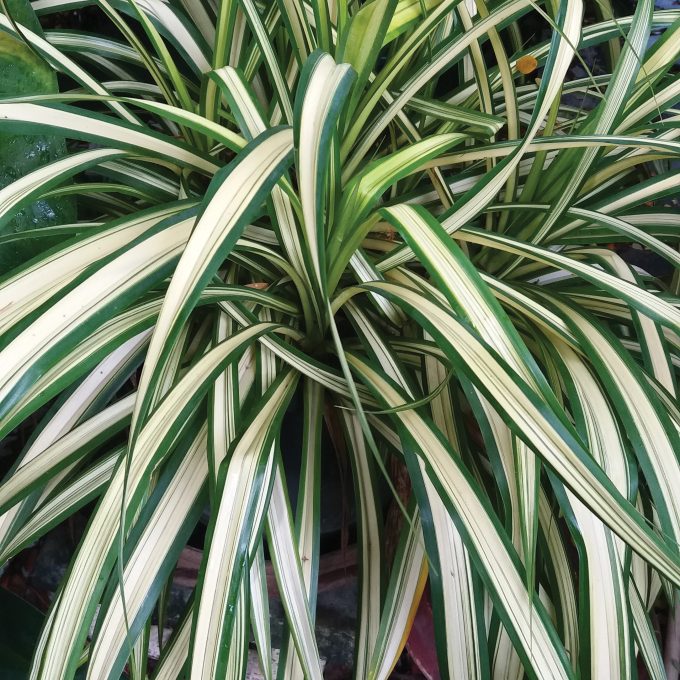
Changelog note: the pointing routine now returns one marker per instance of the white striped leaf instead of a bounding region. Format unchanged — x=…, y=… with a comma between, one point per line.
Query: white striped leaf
x=23, y=291
x=62, y=504
x=454, y=598
x=651, y=305
x=59, y=646
x=72, y=123
x=369, y=539
x=307, y=516
x=608, y=609
x=150, y=562
x=541, y=427
x=62, y=63
x=259, y=612
x=80, y=441
x=235, y=196
x=652, y=436
x=494, y=557
x=468, y=294
x=245, y=478
x=60, y=326
x=289, y=578
x=324, y=86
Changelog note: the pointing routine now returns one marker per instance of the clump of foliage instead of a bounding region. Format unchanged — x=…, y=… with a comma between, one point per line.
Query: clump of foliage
x=375, y=205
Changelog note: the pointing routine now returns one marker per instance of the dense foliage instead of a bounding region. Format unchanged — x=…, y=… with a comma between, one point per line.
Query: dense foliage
x=401, y=211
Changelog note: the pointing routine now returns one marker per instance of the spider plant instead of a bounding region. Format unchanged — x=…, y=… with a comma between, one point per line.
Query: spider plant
x=372, y=206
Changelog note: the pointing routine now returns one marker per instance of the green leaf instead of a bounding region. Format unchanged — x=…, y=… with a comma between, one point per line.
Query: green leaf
x=19, y=631
x=362, y=40
x=362, y=193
